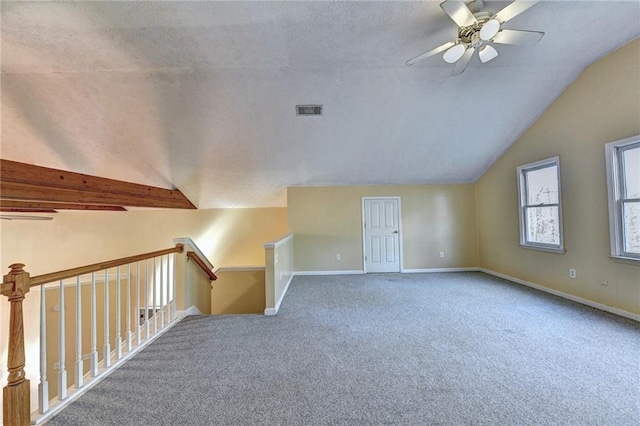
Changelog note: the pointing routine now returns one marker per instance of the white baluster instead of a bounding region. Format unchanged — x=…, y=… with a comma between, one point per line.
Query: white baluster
x=137, y=303
x=107, y=345
x=79, y=363
x=146, y=298
x=168, y=293
x=62, y=371
x=173, y=287
x=155, y=284
x=43, y=387
x=128, y=335
x=94, y=328
x=118, y=316
x=161, y=292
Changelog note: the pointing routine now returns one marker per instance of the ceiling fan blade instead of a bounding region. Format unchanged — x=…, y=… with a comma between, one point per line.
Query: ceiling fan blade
x=462, y=63
x=514, y=9
x=431, y=53
x=459, y=12
x=519, y=37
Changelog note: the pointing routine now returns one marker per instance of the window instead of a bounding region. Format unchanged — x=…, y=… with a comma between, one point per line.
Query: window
x=623, y=181
x=541, y=205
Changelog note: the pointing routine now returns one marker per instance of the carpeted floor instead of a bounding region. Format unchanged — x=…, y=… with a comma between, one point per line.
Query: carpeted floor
x=414, y=349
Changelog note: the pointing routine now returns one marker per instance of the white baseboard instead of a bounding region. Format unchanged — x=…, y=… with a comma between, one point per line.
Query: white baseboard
x=286, y=287
x=346, y=272
x=274, y=311
x=432, y=270
x=192, y=310
x=568, y=296
x=239, y=269
x=404, y=271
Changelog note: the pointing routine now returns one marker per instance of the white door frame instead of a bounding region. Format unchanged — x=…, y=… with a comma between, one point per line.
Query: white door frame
x=364, y=246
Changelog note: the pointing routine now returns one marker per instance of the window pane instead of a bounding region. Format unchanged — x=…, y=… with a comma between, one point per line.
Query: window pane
x=631, y=159
x=631, y=221
x=543, y=225
x=542, y=186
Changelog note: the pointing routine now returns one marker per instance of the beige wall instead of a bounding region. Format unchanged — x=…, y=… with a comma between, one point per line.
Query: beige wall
x=228, y=237
x=193, y=287
x=602, y=105
x=238, y=292
x=328, y=220
x=197, y=288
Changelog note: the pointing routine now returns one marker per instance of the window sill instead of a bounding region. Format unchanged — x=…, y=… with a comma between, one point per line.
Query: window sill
x=627, y=260
x=545, y=249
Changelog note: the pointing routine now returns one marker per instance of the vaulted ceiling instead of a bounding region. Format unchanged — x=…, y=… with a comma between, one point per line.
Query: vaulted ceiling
x=201, y=96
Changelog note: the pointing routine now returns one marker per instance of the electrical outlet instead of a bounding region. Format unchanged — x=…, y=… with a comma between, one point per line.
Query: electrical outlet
x=572, y=273
x=338, y=256
x=442, y=255
x=604, y=281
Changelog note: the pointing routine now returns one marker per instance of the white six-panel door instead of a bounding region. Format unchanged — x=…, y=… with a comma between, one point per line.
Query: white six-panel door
x=381, y=218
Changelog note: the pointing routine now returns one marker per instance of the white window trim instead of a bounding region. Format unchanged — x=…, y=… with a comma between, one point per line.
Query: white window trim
x=551, y=248
x=613, y=189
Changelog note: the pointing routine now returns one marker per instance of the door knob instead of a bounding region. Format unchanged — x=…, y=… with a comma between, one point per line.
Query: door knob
x=395, y=232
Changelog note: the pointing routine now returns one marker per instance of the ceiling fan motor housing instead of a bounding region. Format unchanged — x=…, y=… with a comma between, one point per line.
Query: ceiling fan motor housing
x=471, y=33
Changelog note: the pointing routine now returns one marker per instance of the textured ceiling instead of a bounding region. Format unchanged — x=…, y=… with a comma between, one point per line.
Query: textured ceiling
x=202, y=95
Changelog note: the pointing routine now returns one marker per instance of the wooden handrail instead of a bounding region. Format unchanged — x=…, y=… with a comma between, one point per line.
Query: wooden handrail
x=201, y=263
x=70, y=273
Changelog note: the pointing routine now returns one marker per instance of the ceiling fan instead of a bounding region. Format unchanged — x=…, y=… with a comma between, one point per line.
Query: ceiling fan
x=477, y=29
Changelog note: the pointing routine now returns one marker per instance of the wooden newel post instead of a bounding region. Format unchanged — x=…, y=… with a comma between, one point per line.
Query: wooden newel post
x=16, y=410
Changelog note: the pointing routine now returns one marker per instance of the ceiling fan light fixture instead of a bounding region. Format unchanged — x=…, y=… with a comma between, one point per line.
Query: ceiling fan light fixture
x=487, y=53
x=20, y=217
x=489, y=29
x=453, y=54
x=477, y=27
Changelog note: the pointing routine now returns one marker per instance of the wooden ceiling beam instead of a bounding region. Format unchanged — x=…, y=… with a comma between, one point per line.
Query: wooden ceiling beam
x=30, y=192
x=26, y=182
x=34, y=205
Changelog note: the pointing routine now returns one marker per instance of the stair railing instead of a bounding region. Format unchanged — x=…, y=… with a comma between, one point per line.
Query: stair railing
x=202, y=265
x=148, y=278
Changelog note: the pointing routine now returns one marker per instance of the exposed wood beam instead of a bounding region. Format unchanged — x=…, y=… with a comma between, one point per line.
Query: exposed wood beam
x=34, y=205
x=25, y=182
x=31, y=192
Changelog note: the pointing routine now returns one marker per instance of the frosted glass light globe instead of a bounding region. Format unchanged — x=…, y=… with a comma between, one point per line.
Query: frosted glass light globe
x=454, y=53
x=487, y=53
x=489, y=29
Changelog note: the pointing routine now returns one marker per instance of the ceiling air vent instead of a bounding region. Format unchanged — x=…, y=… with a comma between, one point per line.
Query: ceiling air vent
x=308, y=109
